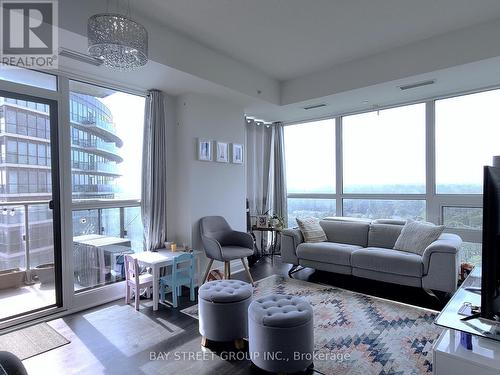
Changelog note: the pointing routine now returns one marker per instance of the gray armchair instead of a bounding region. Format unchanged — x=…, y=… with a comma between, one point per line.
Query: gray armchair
x=224, y=244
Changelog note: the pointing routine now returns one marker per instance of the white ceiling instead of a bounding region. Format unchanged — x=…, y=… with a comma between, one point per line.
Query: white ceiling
x=290, y=38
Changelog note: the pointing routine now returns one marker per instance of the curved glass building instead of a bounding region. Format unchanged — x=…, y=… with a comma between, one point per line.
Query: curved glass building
x=94, y=148
x=25, y=169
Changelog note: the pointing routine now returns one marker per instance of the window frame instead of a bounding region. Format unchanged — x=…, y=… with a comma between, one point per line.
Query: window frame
x=71, y=302
x=434, y=201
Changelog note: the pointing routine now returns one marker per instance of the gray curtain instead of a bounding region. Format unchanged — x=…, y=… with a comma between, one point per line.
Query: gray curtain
x=279, y=182
x=154, y=172
x=266, y=185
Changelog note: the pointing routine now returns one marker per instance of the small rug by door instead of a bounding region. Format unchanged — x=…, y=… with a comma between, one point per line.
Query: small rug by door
x=356, y=334
x=31, y=341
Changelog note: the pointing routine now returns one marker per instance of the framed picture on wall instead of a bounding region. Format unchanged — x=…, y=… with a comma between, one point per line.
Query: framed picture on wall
x=237, y=153
x=222, y=150
x=204, y=150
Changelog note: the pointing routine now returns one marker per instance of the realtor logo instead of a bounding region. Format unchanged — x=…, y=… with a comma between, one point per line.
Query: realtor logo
x=29, y=33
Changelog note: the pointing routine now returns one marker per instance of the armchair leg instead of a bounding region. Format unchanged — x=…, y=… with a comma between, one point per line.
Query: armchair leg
x=207, y=271
x=247, y=271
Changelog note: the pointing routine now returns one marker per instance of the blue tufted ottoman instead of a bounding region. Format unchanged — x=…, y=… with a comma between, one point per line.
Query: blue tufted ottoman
x=223, y=311
x=281, y=336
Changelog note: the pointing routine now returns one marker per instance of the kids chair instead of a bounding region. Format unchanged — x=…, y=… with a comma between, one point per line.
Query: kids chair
x=135, y=281
x=182, y=274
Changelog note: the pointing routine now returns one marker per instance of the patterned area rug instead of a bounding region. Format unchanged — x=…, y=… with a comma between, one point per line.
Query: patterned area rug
x=366, y=335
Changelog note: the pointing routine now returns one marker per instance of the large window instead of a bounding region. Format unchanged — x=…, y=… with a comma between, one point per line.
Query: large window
x=467, y=137
x=384, y=209
x=310, y=157
x=106, y=137
x=388, y=159
x=106, y=148
x=310, y=169
x=384, y=151
x=307, y=207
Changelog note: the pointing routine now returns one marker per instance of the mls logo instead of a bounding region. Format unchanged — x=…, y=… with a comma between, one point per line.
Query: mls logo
x=29, y=33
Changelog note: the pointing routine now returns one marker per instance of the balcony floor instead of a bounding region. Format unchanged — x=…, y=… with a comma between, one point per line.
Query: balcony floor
x=26, y=298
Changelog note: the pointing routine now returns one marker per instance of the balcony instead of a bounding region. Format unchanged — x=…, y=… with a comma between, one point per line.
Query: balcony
x=106, y=130
x=20, y=158
x=107, y=149
x=95, y=188
x=35, y=189
x=27, y=277
x=110, y=168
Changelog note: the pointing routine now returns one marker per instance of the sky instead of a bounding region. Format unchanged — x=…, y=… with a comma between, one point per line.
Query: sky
x=128, y=116
x=388, y=147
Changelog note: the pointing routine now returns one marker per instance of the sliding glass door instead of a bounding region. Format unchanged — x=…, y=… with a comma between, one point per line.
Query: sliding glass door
x=30, y=243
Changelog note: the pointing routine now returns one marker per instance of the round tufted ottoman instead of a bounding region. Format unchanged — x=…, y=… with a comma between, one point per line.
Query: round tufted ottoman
x=223, y=310
x=280, y=329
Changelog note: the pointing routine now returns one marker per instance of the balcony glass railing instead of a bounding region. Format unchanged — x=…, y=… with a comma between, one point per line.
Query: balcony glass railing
x=27, y=271
x=101, y=238
x=96, y=144
x=96, y=167
x=103, y=231
x=13, y=188
x=95, y=188
x=19, y=158
x=93, y=121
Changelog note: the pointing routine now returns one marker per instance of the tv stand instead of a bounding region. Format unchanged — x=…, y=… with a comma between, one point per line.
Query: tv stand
x=450, y=356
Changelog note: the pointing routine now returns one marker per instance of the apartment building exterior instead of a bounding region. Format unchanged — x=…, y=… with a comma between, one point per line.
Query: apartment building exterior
x=25, y=172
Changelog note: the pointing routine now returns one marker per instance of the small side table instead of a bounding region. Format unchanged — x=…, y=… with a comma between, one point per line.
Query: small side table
x=275, y=235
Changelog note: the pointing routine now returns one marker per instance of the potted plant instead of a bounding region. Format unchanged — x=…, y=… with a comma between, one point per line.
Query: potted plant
x=278, y=222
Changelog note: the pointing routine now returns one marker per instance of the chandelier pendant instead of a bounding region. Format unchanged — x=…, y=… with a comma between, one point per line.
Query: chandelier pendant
x=119, y=41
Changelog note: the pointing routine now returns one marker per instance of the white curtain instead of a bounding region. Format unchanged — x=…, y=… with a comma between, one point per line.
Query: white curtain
x=154, y=172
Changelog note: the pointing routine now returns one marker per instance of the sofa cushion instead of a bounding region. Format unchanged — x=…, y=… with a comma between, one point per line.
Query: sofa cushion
x=311, y=230
x=416, y=236
x=346, y=232
x=327, y=252
x=383, y=235
x=388, y=261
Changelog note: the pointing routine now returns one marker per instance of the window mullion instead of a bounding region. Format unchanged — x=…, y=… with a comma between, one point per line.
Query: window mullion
x=338, y=165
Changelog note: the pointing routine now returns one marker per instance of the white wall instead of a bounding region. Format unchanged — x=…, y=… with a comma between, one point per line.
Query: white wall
x=455, y=48
x=198, y=188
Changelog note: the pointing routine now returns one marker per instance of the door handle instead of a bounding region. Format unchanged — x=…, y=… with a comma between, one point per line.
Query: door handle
x=51, y=205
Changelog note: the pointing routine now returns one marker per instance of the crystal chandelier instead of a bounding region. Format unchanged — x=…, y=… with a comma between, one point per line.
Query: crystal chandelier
x=120, y=42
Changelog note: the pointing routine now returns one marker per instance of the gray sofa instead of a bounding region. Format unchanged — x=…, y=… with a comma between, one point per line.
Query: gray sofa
x=365, y=249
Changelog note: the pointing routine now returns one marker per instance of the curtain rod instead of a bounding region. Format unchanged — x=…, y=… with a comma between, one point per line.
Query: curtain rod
x=259, y=122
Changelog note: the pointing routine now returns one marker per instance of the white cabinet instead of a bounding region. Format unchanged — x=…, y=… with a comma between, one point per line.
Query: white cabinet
x=451, y=358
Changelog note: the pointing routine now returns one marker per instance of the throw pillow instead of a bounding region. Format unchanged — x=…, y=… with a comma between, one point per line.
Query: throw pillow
x=416, y=236
x=311, y=230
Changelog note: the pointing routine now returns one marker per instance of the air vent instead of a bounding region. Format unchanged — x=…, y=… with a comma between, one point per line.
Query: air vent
x=417, y=84
x=82, y=57
x=315, y=106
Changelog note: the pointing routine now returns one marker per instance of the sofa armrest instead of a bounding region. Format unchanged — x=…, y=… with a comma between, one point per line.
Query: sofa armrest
x=290, y=239
x=447, y=243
